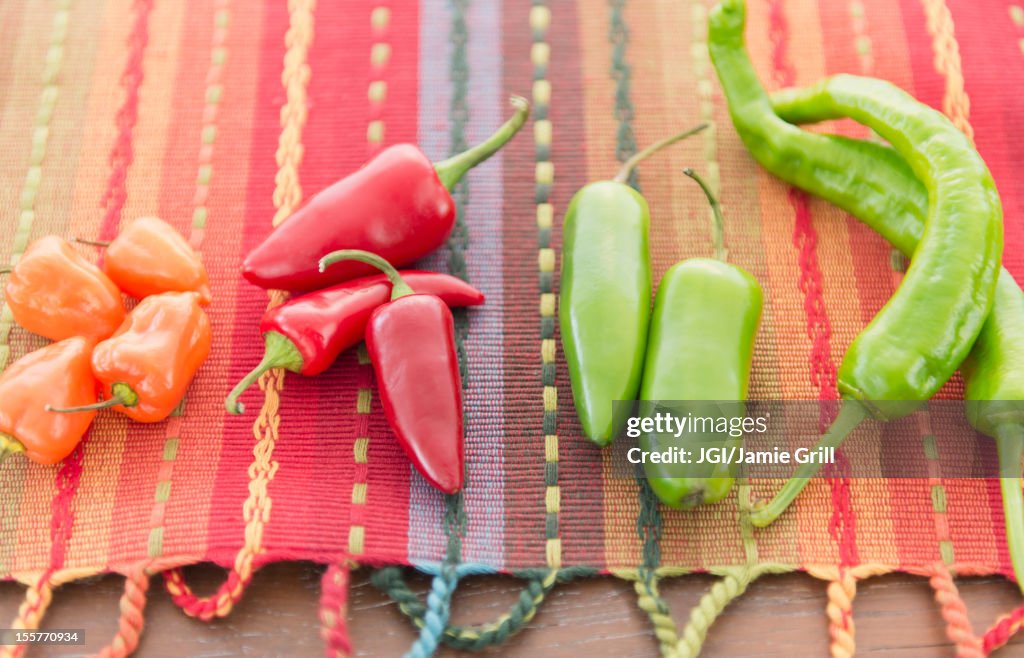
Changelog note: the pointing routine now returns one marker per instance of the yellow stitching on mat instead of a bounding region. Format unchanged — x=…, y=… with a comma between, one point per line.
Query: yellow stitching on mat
x=287, y=197
x=200, y=217
x=544, y=177
x=955, y=102
x=545, y=215
x=40, y=139
x=377, y=91
x=861, y=37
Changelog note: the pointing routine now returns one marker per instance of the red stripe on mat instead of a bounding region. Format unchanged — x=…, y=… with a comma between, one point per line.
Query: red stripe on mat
x=524, y=450
x=822, y=369
x=225, y=526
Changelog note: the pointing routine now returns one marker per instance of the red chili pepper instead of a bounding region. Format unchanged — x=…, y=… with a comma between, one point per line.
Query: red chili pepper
x=411, y=341
x=306, y=334
x=397, y=206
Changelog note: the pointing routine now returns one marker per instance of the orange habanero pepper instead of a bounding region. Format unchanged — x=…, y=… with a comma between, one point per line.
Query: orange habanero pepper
x=54, y=292
x=150, y=256
x=147, y=365
x=59, y=373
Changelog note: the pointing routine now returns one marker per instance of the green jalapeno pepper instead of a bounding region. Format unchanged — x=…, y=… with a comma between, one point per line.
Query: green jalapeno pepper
x=706, y=315
x=897, y=360
x=890, y=200
x=605, y=295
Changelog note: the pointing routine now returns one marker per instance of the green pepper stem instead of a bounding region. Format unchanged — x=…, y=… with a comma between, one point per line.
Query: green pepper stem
x=279, y=352
x=452, y=170
x=850, y=416
x=121, y=395
x=1010, y=445
x=718, y=222
x=399, y=288
x=92, y=243
x=629, y=165
x=9, y=446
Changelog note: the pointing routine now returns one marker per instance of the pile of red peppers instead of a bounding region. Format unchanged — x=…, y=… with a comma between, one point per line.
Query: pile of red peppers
x=393, y=211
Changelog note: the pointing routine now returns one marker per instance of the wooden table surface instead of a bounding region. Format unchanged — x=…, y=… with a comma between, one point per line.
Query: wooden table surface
x=779, y=616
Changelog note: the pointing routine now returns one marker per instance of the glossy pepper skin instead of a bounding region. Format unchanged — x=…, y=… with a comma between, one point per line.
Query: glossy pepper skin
x=894, y=203
x=706, y=316
x=605, y=294
x=151, y=360
x=58, y=374
x=893, y=364
x=149, y=256
x=604, y=301
x=397, y=206
x=699, y=352
x=54, y=292
x=953, y=272
x=307, y=333
x=411, y=343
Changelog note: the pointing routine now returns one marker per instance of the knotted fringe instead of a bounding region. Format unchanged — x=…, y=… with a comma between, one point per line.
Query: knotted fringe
x=474, y=638
x=31, y=612
x=431, y=618
x=690, y=641
x=842, y=590
x=334, y=611
x=218, y=604
x=132, y=618
x=954, y=612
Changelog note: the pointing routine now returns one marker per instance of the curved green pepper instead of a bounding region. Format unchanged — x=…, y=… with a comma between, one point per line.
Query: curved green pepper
x=897, y=360
x=605, y=295
x=890, y=200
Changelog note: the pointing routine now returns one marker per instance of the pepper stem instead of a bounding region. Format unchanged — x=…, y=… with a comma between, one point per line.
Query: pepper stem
x=121, y=395
x=9, y=446
x=717, y=223
x=629, y=165
x=452, y=170
x=92, y=243
x=280, y=352
x=399, y=288
x=1010, y=445
x=6, y=270
x=850, y=416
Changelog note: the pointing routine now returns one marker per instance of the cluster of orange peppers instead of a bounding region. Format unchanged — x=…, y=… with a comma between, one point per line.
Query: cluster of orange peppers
x=139, y=363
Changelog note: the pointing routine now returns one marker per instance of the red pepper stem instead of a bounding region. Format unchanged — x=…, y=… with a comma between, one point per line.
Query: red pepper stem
x=1010, y=445
x=121, y=394
x=9, y=446
x=452, y=170
x=629, y=165
x=280, y=352
x=93, y=243
x=718, y=222
x=399, y=288
x=850, y=416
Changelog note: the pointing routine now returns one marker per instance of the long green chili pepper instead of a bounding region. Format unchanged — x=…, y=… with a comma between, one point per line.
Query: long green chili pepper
x=605, y=295
x=897, y=360
x=706, y=315
x=894, y=203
